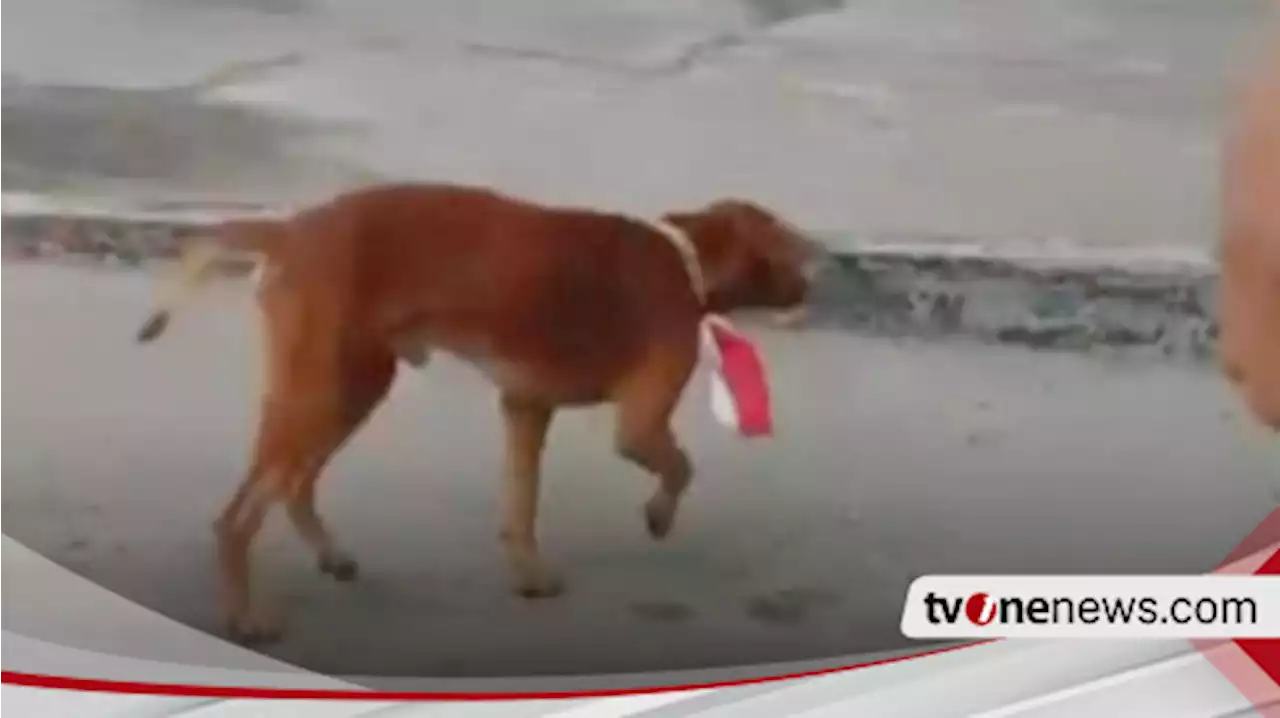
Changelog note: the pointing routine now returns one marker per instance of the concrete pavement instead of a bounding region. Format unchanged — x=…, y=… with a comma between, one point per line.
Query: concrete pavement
x=1058, y=123
x=1071, y=134
x=894, y=458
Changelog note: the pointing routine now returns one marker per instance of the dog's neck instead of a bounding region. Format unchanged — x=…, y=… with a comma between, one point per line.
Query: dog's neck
x=688, y=252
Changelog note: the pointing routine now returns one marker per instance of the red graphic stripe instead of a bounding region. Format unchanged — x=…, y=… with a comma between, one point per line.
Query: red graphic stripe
x=95, y=685
x=1265, y=534
x=1265, y=651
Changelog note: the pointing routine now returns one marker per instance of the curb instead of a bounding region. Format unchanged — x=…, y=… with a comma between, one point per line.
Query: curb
x=1160, y=304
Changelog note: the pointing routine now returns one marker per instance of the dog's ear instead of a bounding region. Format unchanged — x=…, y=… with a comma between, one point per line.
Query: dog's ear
x=780, y=242
x=717, y=235
x=725, y=251
x=751, y=257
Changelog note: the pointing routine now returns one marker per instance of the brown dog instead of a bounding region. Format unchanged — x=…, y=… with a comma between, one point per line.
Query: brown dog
x=558, y=306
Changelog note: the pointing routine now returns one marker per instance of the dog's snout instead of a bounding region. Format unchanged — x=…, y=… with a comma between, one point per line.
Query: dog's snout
x=816, y=258
x=811, y=270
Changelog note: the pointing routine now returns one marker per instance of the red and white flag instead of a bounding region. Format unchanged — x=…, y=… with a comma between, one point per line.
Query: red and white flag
x=739, y=385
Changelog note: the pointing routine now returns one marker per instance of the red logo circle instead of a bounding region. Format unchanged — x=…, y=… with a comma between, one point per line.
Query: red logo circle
x=980, y=609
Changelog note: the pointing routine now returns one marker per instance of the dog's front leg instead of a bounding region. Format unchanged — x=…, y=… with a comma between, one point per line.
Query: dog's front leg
x=526, y=428
x=644, y=436
x=660, y=454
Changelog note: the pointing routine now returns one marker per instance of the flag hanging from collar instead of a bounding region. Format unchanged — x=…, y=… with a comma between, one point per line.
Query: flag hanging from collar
x=739, y=385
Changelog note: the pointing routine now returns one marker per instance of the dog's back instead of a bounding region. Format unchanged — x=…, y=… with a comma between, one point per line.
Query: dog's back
x=565, y=300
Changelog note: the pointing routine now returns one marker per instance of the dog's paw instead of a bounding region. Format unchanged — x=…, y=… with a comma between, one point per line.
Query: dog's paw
x=341, y=568
x=660, y=516
x=541, y=582
x=254, y=629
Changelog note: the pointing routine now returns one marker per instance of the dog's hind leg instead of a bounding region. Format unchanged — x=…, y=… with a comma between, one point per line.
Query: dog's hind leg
x=276, y=457
x=315, y=397
x=303, y=424
x=366, y=381
x=296, y=428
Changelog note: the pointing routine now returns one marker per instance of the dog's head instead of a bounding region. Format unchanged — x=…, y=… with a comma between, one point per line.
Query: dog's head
x=751, y=258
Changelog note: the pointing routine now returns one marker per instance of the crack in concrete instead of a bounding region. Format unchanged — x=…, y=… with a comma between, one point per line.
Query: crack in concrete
x=763, y=14
x=689, y=57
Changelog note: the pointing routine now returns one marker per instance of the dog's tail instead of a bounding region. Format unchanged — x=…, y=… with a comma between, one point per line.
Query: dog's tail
x=197, y=265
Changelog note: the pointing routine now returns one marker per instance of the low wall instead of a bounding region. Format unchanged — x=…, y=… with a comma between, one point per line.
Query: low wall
x=1073, y=301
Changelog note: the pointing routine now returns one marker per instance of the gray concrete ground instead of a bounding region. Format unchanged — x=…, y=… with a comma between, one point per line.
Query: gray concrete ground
x=892, y=459
x=1052, y=121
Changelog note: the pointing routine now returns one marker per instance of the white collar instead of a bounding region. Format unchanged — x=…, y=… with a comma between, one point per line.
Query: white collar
x=680, y=240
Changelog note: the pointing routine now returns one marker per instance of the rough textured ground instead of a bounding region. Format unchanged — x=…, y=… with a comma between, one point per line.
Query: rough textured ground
x=1051, y=121
x=892, y=460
